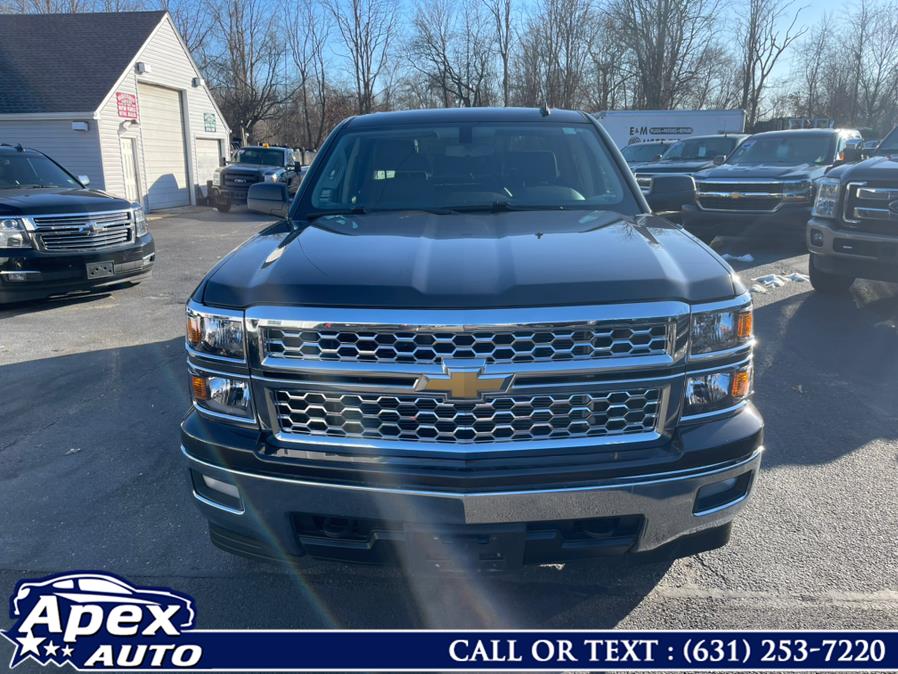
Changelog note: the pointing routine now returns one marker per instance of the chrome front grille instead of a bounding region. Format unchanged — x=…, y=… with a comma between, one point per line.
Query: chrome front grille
x=502, y=418
x=84, y=231
x=547, y=343
x=869, y=207
x=764, y=196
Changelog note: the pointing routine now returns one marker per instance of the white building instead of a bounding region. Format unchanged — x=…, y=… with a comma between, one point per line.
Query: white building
x=114, y=96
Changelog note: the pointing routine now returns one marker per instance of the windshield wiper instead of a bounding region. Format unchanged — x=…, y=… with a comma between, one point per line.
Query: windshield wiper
x=314, y=215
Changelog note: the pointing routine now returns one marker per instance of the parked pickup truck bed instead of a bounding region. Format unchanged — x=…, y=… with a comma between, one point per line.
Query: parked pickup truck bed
x=470, y=349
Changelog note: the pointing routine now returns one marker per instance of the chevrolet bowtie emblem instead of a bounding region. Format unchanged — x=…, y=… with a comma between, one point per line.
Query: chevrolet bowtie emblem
x=463, y=381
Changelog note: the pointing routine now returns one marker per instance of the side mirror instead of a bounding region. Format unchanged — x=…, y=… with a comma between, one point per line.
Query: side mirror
x=268, y=198
x=84, y=180
x=669, y=192
x=719, y=159
x=297, y=166
x=222, y=161
x=852, y=151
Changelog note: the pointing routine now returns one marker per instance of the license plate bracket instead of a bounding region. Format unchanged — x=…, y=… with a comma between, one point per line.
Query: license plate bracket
x=100, y=269
x=496, y=549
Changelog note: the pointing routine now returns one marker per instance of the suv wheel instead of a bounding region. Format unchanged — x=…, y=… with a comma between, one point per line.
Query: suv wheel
x=826, y=282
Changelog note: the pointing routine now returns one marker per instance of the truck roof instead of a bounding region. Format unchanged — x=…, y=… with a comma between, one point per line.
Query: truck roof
x=806, y=132
x=460, y=115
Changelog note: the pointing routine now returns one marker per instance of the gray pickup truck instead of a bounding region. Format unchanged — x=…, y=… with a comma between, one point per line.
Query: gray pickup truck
x=251, y=165
x=469, y=345
x=853, y=231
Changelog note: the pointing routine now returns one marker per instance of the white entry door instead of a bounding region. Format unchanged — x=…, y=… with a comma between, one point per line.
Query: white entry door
x=164, y=149
x=129, y=167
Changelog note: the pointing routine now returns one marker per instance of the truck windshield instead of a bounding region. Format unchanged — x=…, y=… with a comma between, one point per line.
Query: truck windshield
x=889, y=143
x=643, y=151
x=696, y=149
x=260, y=155
x=788, y=150
x=21, y=170
x=484, y=166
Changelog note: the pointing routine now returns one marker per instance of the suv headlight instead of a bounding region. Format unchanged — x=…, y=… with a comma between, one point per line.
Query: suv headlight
x=720, y=330
x=828, y=192
x=216, y=333
x=272, y=177
x=13, y=233
x=221, y=394
x=140, y=222
x=714, y=391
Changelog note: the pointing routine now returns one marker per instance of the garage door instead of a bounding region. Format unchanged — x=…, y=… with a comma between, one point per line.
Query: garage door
x=164, y=157
x=208, y=152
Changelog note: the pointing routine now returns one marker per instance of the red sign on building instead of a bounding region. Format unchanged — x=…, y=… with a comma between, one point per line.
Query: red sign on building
x=127, y=105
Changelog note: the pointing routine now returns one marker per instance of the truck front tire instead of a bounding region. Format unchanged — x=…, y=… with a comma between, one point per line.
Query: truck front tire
x=826, y=282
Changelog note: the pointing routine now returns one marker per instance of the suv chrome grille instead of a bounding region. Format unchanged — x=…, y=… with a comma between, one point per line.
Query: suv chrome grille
x=85, y=231
x=521, y=345
x=500, y=418
x=753, y=196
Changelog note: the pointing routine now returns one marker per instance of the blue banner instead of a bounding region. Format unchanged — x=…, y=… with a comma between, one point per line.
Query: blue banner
x=98, y=621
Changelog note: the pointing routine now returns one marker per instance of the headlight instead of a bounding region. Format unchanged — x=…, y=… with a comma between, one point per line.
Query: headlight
x=714, y=391
x=720, y=330
x=13, y=234
x=220, y=394
x=827, y=201
x=798, y=190
x=271, y=177
x=215, y=333
x=140, y=222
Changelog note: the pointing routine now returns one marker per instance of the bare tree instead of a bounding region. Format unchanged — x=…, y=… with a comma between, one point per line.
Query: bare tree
x=452, y=49
x=500, y=11
x=366, y=28
x=667, y=41
x=248, y=69
x=194, y=23
x=765, y=33
x=308, y=30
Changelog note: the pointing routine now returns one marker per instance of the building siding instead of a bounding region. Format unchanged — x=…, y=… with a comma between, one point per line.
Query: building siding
x=77, y=151
x=170, y=67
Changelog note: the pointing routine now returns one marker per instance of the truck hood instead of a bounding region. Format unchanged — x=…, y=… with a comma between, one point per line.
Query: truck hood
x=674, y=166
x=737, y=171
x=249, y=168
x=876, y=168
x=414, y=260
x=43, y=201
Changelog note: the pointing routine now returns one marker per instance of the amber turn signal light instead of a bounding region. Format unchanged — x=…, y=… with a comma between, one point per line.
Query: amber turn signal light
x=744, y=324
x=740, y=385
x=194, y=329
x=200, y=388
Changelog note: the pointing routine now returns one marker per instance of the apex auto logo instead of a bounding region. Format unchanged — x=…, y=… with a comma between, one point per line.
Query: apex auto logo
x=97, y=620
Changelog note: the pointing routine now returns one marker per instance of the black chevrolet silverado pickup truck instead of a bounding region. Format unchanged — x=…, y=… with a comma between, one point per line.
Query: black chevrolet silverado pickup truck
x=252, y=165
x=57, y=236
x=766, y=187
x=853, y=231
x=469, y=346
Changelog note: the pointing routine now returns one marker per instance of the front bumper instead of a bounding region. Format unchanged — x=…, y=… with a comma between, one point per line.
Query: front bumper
x=229, y=195
x=852, y=253
x=279, y=516
x=31, y=274
x=788, y=219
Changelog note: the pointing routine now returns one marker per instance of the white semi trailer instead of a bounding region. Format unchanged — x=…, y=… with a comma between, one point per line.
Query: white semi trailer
x=639, y=126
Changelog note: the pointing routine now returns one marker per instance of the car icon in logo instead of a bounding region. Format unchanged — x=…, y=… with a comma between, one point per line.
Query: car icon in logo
x=97, y=588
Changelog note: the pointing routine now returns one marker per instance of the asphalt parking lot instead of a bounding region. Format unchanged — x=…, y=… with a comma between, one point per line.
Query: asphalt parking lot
x=91, y=476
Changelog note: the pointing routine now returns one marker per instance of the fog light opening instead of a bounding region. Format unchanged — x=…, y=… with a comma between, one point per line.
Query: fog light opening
x=216, y=492
x=723, y=494
x=816, y=237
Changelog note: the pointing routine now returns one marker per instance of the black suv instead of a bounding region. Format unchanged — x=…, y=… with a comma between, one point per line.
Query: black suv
x=854, y=229
x=252, y=165
x=766, y=187
x=57, y=236
x=469, y=345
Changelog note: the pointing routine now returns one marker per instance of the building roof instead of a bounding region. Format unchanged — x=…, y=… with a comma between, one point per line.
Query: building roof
x=67, y=62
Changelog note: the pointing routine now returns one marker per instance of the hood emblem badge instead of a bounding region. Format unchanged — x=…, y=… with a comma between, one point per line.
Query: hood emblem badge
x=463, y=380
